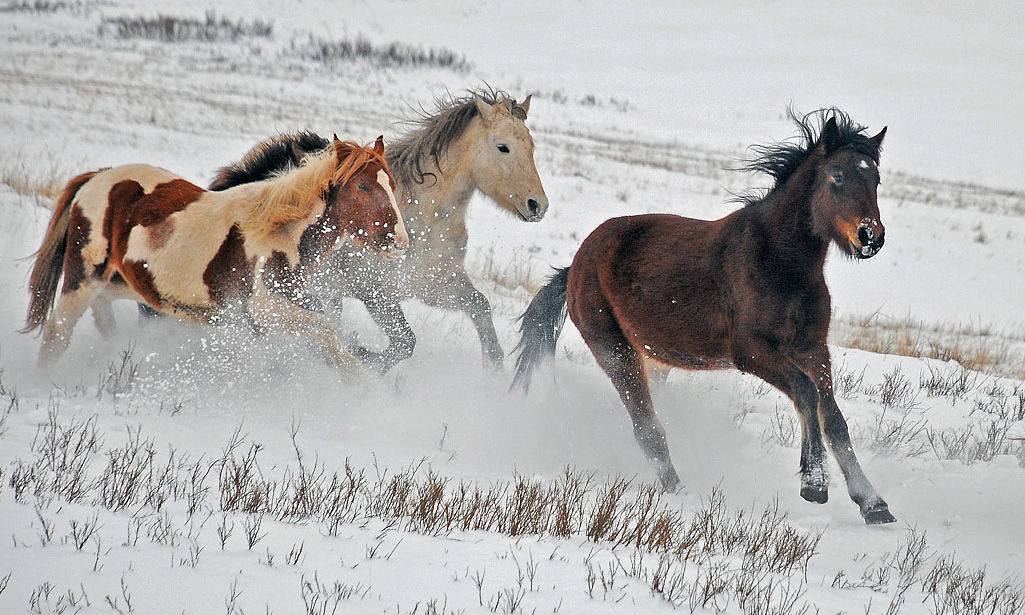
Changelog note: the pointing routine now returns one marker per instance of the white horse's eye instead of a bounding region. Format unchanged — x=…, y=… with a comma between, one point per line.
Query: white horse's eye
x=502, y=147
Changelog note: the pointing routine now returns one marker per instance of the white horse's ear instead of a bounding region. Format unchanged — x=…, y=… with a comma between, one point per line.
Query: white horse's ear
x=525, y=105
x=486, y=111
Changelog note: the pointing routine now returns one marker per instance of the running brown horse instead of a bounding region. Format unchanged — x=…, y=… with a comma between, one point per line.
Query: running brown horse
x=142, y=233
x=746, y=292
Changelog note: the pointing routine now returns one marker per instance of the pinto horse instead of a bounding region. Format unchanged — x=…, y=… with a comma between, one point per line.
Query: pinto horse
x=746, y=292
x=142, y=233
x=475, y=143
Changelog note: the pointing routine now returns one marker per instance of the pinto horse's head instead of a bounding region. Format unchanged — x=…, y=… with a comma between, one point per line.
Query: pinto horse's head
x=362, y=197
x=845, y=208
x=503, y=158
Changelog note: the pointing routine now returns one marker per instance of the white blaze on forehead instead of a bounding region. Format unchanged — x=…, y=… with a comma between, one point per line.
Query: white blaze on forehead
x=385, y=182
x=864, y=164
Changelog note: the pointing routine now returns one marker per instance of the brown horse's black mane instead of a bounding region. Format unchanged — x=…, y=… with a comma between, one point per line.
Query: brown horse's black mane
x=273, y=155
x=780, y=160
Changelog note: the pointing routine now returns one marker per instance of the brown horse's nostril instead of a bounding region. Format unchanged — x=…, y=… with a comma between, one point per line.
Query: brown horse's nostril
x=866, y=235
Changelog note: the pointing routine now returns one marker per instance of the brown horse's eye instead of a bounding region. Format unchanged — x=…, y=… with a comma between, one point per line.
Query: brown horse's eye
x=836, y=175
x=364, y=187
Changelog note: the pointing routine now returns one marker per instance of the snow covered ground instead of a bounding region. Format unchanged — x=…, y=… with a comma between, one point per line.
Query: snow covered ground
x=637, y=107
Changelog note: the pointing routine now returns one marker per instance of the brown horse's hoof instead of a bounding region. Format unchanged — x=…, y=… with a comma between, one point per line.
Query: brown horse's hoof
x=878, y=514
x=815, y=495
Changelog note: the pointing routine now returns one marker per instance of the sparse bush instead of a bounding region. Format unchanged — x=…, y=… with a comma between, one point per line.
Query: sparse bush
x=391, y=55
x=172, y=29
x=36, y=6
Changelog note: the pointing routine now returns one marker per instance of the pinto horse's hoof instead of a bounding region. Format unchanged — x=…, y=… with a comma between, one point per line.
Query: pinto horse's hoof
x=814, y=494
x=878, y=514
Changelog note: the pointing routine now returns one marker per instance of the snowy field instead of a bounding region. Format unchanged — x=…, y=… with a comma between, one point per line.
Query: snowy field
x=126, y=471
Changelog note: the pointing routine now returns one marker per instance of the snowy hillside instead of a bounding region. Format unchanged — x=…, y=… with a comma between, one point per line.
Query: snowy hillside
x=181, y=469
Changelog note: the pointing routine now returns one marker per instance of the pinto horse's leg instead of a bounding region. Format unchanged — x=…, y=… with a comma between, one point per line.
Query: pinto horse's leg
x=276, y=314
x=103, y=316
x=455, y=291
x=57, y=329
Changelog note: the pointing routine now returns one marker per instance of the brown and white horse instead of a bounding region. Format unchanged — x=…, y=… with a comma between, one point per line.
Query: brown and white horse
x=746, y=291
x=479, y=142
x=143, y=233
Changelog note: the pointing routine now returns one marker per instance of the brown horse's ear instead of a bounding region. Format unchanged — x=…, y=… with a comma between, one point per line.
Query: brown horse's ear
x=830, y=138
x=379, y=145
x=878, y=139
x=525, y=105
x=486, y=111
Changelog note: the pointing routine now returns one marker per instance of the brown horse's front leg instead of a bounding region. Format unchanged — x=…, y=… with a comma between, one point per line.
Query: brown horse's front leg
x=873, y=508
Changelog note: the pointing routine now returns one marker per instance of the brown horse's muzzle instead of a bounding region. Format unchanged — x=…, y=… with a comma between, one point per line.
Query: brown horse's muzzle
x=869, y=238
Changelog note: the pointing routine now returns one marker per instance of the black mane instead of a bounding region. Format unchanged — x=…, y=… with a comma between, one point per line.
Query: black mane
x=271, y=156
x=780, y=160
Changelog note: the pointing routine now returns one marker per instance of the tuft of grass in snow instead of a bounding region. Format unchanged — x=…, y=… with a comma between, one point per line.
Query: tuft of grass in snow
x=173, y=29
x=390, y=55
x=39, y=177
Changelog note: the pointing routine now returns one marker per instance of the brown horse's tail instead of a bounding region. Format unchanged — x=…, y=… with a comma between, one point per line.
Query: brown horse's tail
x=49, y=265
x=540, y=326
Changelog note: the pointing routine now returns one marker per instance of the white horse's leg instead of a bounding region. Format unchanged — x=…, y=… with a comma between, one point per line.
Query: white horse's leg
x=57, y=329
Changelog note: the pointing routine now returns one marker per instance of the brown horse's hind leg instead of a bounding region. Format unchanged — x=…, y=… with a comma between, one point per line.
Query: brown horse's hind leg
x=625, y=367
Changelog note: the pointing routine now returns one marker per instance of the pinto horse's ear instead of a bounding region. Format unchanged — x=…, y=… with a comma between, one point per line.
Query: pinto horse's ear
x=336, y=144
x=830, y=138
x=486, y=111
x=878, y=139
x=379, y=145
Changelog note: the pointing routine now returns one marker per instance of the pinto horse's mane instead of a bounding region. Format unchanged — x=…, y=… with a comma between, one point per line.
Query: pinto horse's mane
x=432, y=132
x=290, y=194
x=781, y=160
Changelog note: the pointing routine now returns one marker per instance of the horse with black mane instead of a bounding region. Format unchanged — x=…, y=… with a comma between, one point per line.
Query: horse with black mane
x=478, y=142
x=746, y=291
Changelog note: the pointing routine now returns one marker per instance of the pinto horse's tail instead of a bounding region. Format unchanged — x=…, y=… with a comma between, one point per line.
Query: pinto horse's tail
x=49, y=265
x=540, y=326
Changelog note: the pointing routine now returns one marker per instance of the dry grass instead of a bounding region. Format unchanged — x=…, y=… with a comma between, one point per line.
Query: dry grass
x=39, y=177
x=976, y=348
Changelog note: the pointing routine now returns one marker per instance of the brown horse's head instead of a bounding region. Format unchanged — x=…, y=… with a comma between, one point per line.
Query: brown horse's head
x=844, y=207
x=362, y=198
